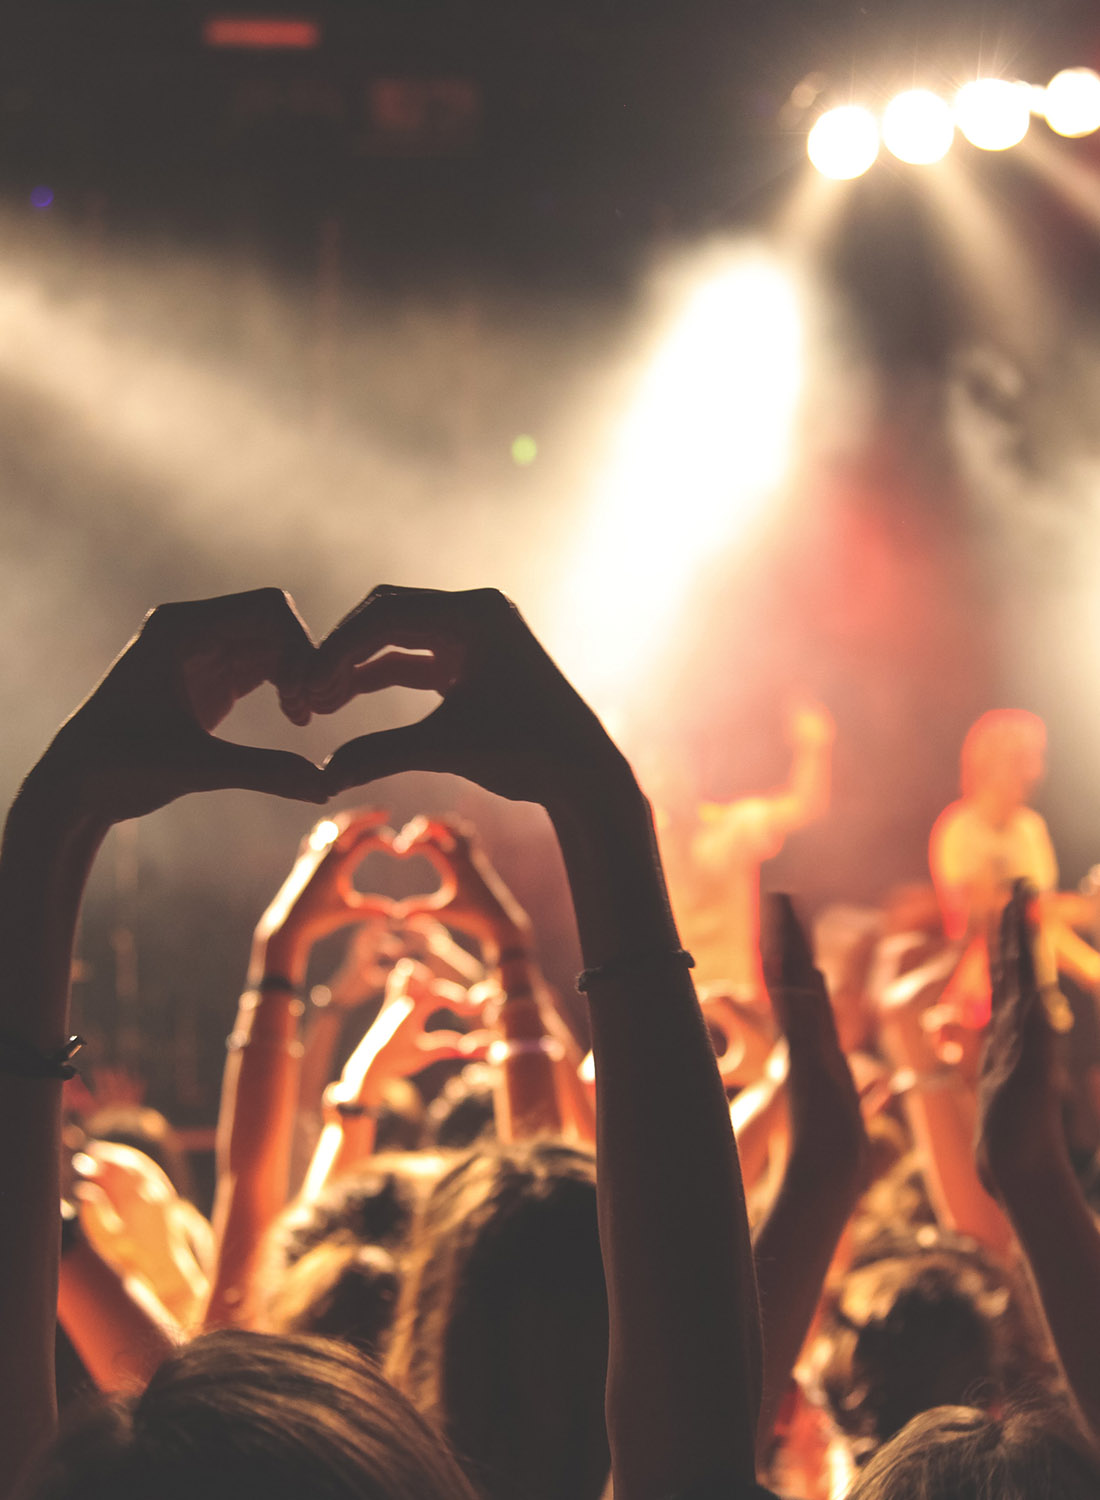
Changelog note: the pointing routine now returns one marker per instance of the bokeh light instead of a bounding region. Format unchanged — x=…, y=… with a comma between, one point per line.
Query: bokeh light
x=918, y=127
x=844, y=142
x=1072, y=102
x=993, y=113
x=41, y=196
x=524, y=450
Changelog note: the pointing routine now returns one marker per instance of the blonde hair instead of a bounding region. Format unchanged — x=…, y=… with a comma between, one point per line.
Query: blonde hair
x=1000, y=732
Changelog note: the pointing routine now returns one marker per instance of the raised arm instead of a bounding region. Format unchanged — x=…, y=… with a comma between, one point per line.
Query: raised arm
x=824, y=1172
x=139, y=741
x=263, y=1061
x=396, y=1045
x=684, y=1372
x=806, y=795
x=475, y=900
x=1022, y=1148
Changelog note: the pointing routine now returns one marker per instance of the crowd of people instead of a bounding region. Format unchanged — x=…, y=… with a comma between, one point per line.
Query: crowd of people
x=821, y=1229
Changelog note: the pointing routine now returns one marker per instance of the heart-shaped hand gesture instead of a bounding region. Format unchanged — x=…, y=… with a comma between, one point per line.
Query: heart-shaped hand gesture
x=318, y=896
x=509, y=720
x=143, y=737
x=472, y=898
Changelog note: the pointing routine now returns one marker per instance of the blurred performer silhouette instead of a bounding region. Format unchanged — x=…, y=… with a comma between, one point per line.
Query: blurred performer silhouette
x=714, y=863
x=987, y=840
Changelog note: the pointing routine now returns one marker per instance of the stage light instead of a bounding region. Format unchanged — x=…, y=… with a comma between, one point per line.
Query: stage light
x=1072, y=102
x=41, y=196
x=524, y=450
x=917, y=127
x=844, y=142
x=993, y=113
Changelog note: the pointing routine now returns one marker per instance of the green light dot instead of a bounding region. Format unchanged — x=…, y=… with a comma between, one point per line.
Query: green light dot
x=524, y=450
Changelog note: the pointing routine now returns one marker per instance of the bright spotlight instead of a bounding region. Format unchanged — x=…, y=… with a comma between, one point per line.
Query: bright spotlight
x=917, y=127
x=1072, y=102
x=993, y=113
x=844, y=142
x=707, y=438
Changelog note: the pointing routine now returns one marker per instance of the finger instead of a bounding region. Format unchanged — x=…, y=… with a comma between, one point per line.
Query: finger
x=431, y=619
x=424, y=832
x=387, y=752
x=370, y=908
x=250, y=768
x=785, y=952
x=364, y=834
x=407, y=669
x=389, y=616
x=264, y=618
x=437, y=1045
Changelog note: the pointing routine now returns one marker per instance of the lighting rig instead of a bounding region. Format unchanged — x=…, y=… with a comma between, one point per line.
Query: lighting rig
x=919, y=125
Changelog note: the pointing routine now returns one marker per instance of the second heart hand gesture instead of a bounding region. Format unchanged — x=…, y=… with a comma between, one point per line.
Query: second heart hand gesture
x=144, y=735
x=473, y=898
x=318, y=897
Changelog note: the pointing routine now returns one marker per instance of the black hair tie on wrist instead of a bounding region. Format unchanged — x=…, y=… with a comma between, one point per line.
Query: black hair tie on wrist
x=617, y=968
x=19, y=1059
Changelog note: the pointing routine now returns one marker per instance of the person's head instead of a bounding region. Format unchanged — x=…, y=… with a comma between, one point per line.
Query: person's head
x=339, y=1290
x=373, y=1206
x=501, y=1330
x=959, y=1453
x=462, y=1113
x=926, y=1322
x=236, y=1414
x=1003, y=756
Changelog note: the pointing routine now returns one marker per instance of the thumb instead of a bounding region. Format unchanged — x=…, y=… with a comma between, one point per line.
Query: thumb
x=251, y=768
x=413, y=747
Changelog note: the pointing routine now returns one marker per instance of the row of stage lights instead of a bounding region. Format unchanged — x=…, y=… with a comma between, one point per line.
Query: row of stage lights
x=919, y=126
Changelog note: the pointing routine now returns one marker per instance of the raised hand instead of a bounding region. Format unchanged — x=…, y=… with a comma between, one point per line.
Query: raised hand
x=397, y=1045
x=472, y=897
x=318, y=896
x=810, y=724
x=1019, y=1106
x=509, y=720
x=747, y=1033
x=823, y=1096
x=144, y=735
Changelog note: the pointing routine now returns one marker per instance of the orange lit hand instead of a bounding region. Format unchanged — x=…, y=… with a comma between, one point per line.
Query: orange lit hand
x=472, y=897
x=318, y=896
x=397, y=1045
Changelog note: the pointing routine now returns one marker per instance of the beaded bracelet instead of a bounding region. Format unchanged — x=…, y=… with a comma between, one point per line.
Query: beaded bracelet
x=616, y=968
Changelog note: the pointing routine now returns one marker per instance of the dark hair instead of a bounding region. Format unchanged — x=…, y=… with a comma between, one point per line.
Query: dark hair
x=373, y=1206
x=237, y=1414
x=957, y=1453
x=341, y=1290
x=501, y=1330
x=923, y=1325
x=462, y=1113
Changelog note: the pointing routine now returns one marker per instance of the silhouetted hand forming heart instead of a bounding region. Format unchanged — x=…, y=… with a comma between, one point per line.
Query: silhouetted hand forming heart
x=143, y=736
x=509, y=720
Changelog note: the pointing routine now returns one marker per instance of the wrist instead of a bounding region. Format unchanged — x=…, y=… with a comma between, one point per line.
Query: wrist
x=278, y=955
x=49, y=810
x=609, y=846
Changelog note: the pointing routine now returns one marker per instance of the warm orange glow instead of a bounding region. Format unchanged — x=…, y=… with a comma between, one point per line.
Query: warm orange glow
x=261, y=33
